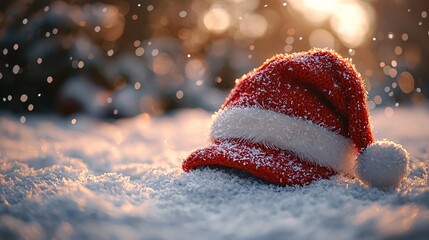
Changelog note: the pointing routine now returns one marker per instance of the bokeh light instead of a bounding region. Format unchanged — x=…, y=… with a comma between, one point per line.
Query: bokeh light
x=253, y=25
x=350, y=20
x=217, y=19
x=406, y=82
x=122, y=58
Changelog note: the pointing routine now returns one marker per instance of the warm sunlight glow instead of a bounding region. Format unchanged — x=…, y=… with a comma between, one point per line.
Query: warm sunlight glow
x=217, y=19
x=351, y=23
x=315, y=11
x=350, y=20
x=253, y=25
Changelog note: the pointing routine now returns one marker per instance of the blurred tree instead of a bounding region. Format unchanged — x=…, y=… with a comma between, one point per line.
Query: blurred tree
x=114, y=58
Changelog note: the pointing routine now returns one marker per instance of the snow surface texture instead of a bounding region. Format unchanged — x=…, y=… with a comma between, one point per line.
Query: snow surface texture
x=123, y=180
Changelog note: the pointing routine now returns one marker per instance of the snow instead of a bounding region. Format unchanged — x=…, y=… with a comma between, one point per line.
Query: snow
x=123, y=180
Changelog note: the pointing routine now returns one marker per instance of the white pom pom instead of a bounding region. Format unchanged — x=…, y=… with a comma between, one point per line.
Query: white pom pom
x=383, y=164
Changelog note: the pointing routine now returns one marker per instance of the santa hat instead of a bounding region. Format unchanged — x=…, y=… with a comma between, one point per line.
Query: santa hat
x=299, y=118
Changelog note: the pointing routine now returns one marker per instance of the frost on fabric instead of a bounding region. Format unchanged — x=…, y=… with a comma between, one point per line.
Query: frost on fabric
x=122, y=180
x=272, y=164
x=307, y=140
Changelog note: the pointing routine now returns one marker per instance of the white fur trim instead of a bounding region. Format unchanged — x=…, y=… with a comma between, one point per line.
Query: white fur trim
x=383, y=164
x=306, y=139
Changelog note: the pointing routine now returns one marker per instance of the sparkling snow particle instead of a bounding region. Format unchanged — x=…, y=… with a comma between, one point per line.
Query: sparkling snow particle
x=110, y=52
x=15, y=46
x=392, y=72
x=81, y=64
x=155, y=52
x=39, y=60
x=16, y=69
x=424, y=14
x=22, y=119
x=30, y=107
x=24, y=21
x=9, y=97
x=49, y=79
x=55, y=31
x=137, y=85
x=97, y=28
x=183, y=14
x=179, y=94
x=398, y=50
x=378, y=100
x=149, y=8
x=139, y=51
x=288, y=48
x=46, y=8
x=23, y=98
x=5, y=51
x=73, y=121
x=387, y=89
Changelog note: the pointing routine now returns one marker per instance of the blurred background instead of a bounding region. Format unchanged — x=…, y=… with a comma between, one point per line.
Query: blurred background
x=112, y=59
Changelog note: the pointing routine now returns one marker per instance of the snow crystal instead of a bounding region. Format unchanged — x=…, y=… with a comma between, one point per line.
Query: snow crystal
x=16, y=69
x=122, y=180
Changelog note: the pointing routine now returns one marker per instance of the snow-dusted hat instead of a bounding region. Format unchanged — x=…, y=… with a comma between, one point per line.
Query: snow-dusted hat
x=299, y=118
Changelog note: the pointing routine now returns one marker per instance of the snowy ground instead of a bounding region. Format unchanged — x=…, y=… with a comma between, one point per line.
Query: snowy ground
x=123, y=180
